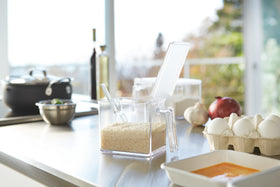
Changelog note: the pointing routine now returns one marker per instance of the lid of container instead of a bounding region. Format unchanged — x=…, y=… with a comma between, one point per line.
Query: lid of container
x=30, y=79
x=149, y=81
x=188, y=81
x=146, y=81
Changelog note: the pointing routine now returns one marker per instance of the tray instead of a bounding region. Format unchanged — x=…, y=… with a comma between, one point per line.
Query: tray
x=179, y=171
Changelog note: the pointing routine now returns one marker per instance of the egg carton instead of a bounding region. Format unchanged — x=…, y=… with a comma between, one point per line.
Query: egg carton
x=267, y=146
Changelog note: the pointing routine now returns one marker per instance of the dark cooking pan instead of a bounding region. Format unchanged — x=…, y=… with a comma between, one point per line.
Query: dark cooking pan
x=20, y=93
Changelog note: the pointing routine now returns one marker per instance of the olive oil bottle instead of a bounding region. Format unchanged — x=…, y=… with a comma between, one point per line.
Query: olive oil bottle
x=103, y=71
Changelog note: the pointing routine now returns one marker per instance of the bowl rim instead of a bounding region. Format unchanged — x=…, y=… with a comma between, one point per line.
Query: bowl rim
x=45, y=104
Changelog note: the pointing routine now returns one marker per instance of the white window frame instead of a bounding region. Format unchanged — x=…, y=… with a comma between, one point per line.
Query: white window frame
x=4, y=64
x=110, y=42
x=252, y=31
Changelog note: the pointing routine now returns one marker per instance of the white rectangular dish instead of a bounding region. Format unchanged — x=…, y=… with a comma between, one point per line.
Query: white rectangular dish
x=179, y=172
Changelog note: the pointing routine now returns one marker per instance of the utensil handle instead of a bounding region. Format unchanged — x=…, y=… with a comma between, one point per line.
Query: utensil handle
x=170, y=69
x=43, y=71
x=171, y=128
x=120, y=116
x=48, y=90
x=108, y=95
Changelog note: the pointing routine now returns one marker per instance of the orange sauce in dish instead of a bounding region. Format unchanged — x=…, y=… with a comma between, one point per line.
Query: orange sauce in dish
x=225, y=171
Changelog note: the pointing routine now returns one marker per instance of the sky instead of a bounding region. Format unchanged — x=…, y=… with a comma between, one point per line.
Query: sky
x=60, y=31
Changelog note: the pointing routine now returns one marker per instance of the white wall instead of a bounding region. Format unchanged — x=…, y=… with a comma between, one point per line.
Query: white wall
x=4, y=65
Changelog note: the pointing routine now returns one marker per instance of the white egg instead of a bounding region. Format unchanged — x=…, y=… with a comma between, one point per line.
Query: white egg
x=257, y=120
x=273, y=117
x=232, y=119
x=245, y=127
x=269, y=128
x=219, y=126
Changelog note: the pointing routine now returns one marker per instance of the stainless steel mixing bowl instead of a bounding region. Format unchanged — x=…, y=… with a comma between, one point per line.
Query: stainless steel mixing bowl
x=57, y=114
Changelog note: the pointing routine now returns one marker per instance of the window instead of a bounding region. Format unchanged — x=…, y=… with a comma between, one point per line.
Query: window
x=55, y=35
x=270, y=77
x=141, y=42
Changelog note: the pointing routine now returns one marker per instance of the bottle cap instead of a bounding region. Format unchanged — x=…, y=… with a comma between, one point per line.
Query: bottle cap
x=94, y=34
x=103, y=47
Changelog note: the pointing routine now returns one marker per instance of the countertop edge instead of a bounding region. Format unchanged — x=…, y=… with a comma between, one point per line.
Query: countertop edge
x=41, y=173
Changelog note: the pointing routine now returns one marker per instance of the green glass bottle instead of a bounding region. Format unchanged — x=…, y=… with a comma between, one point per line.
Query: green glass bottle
x=93, y=69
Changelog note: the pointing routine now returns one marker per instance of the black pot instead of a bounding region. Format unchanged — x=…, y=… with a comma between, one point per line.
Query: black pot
x=21, y=93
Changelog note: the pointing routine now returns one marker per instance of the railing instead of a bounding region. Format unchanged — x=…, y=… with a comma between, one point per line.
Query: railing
x=125, y=73
x=209, y=61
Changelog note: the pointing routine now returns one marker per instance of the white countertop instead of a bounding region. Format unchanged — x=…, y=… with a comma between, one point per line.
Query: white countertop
x=72, y=153
x=69, y=155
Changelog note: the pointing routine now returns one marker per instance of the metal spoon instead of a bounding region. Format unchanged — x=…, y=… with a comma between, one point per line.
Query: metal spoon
x=121, y=117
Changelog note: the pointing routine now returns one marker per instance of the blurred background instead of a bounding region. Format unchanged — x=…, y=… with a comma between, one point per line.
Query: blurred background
x=235, y=43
